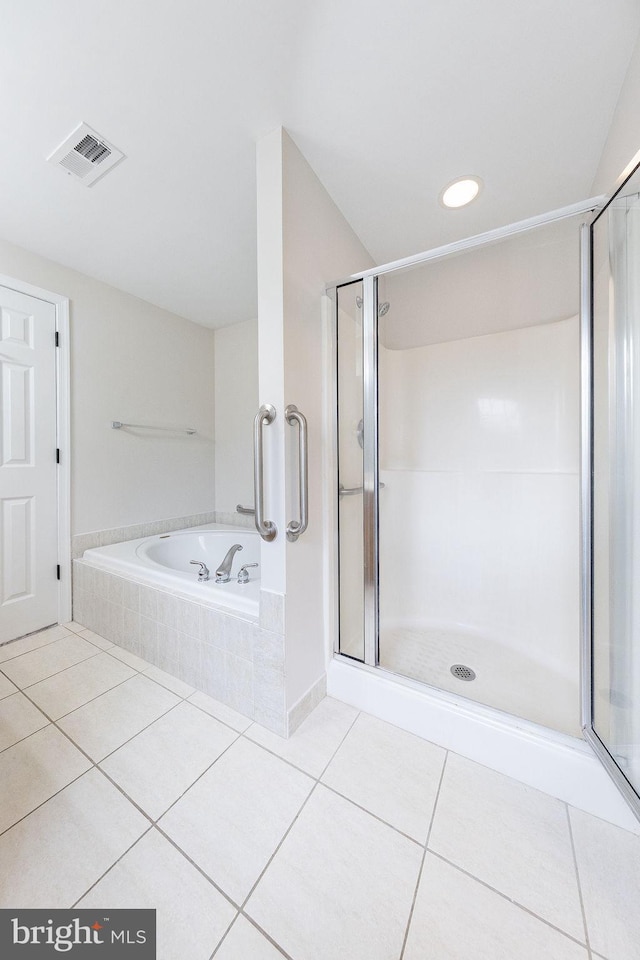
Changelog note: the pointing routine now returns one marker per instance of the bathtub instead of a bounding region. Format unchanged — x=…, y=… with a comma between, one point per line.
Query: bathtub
x=164, y=562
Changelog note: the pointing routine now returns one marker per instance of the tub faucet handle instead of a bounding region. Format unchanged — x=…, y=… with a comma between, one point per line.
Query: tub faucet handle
x=243, y=572
x=203, y=572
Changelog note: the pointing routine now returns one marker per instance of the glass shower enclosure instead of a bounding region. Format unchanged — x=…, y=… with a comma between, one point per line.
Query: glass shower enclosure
x=611, y=707
x=461, y=476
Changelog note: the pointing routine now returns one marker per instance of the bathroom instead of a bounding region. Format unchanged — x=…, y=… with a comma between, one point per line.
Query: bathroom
x=132, y=362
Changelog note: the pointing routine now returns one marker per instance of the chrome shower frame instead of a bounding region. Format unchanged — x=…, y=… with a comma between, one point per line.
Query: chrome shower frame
x=587, y=475
x=371, y=486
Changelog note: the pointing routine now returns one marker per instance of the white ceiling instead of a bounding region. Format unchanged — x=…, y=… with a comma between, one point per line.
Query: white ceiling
x=388, y=102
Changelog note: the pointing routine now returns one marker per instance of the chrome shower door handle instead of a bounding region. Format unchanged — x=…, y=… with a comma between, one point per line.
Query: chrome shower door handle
x=266, y=528
x=295, y=528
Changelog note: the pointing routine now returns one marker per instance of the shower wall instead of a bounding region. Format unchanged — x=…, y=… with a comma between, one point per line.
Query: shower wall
x=479, y=516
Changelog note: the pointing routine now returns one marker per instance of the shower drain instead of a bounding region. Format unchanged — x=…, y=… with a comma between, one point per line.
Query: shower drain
x=463, y=673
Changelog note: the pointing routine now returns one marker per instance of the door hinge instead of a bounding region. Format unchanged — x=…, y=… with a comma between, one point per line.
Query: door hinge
x=57, y=454
x=57, y=339
x=58, y=572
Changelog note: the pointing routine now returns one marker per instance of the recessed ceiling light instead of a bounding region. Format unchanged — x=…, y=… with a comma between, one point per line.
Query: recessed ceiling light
x=460, y=192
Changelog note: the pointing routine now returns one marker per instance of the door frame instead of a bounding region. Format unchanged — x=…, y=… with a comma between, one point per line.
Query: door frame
x=63, y=433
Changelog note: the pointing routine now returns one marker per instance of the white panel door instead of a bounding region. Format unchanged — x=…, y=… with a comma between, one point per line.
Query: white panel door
x=28, y=472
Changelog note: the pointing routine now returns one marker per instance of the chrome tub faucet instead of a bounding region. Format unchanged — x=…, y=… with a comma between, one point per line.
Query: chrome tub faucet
x=223, y=573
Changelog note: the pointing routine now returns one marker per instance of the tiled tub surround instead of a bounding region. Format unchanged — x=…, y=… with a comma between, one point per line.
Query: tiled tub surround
x=236, y=658
x=103, y=538
x=166, y=562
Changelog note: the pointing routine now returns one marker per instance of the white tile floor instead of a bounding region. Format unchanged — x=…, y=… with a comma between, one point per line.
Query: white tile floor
x=121, y=786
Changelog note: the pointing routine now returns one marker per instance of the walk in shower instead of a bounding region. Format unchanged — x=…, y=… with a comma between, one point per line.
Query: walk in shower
x=459, y=459
x=464, y=473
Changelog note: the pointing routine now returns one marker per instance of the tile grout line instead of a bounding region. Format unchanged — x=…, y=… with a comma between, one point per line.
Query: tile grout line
x=152, y=666
x=3, y=674
x=334, y=790
x=333, y=755
x=11, y=692
x=240, y=733
x=503, y=896
x=242, y=908
x=97, y=696
x=245, y=734
x=57, y=672
x=260, y=930
x=93, y=699
x=196, y=866
x=272, y=753
x=27, y=735
x=575, y=864
x=199, y=777
x=295, y=819
x=318, y=783
x=39, y=805
x=223, y=937
x=374, y=816
x=108, y=690
x=284, y=837
x=48, y=643
x=132, y=737
x=424, y=857
x=268, y=937
x=108, y=870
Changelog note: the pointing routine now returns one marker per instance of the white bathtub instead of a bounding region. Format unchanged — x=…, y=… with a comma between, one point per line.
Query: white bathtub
x=164, y=562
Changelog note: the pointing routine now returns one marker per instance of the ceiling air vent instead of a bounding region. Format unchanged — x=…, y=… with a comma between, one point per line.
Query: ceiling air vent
x=86, y=155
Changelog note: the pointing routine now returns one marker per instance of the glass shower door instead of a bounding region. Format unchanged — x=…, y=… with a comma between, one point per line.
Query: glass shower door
x=613, y=722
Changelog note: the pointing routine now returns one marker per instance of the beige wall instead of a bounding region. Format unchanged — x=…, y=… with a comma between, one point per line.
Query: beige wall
x=133, y=362
x=623, y=140
x=236, y=404
x=304, y=242
x=319, y=247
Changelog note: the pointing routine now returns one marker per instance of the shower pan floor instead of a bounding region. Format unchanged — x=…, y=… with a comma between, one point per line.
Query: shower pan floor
x=505, y=679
